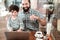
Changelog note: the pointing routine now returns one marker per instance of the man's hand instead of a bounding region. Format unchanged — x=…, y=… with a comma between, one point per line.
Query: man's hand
x=33, y=17
x=41, y=21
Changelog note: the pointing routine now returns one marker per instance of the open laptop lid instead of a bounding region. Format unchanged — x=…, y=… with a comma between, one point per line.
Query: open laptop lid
x=17, y=35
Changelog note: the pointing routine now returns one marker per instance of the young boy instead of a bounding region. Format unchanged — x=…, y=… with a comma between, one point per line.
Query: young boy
x=13, y=23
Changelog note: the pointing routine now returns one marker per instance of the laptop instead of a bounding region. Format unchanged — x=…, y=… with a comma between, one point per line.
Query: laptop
x=17, y=35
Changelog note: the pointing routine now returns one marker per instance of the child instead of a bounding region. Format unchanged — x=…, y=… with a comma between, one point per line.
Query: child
x=13, y=21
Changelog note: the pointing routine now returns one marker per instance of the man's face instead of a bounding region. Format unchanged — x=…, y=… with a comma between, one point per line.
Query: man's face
x=26, y=5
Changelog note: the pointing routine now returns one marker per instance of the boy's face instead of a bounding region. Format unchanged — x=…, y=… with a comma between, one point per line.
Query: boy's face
x=14, y=13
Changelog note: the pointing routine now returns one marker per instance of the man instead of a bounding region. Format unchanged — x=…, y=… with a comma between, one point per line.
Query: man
x=29, y=18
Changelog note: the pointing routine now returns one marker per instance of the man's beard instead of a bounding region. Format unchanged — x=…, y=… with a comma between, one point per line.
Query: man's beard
x=26, y=10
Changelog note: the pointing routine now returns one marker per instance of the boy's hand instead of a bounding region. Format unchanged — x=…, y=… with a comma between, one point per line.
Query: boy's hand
x=19, y=30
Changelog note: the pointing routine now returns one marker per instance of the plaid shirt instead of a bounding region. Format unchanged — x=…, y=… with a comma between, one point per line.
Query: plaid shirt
x=25, y=21
x=13, y=24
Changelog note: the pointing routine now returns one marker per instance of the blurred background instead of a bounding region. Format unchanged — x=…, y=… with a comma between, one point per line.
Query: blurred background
x=39, y=5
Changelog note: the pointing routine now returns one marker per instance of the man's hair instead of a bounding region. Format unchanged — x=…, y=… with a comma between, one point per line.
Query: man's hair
x=29, y=1
x=14, y=8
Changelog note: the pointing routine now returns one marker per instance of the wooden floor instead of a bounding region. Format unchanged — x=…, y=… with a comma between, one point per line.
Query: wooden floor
x=2, y=28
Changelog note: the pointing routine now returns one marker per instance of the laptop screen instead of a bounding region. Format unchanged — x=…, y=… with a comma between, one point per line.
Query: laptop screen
x=17, y=35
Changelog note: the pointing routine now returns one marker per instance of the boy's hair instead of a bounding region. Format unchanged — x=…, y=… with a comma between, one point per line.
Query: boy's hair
x=14, y=8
